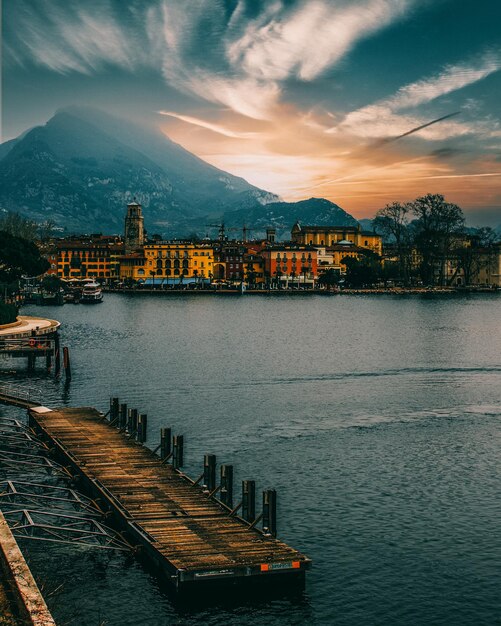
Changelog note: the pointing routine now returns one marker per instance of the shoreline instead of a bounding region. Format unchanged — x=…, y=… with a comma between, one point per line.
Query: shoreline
x=304, y=292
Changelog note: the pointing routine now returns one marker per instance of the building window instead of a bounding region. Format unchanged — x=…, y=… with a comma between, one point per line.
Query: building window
x=185, y=263
x=176, y=272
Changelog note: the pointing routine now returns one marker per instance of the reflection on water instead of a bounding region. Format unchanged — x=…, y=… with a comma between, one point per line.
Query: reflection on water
x=374, y=417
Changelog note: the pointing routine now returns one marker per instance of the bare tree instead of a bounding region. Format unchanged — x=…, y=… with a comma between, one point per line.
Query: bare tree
x=392, y=222
x=475, y=253
x=437, y=227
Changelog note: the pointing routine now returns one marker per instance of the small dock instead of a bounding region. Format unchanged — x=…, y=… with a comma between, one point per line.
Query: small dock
x=176, y=523
x=32, y=338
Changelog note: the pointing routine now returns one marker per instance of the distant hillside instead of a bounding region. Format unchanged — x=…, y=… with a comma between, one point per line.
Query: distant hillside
x=83, y=166
x=282, y=215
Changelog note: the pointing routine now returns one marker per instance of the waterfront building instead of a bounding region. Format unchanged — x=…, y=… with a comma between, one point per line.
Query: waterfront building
x=229, y=261
x=132, y=267
x=489, y=272
x=95, y=256
x=329, y=236
x=176, y=262
x=289, y=263
x=254, y=270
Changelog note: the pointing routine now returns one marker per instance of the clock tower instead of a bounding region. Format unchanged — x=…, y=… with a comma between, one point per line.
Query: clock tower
x=134, y=227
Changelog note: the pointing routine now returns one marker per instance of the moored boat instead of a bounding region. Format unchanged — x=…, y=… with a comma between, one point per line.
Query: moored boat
x=91, y=294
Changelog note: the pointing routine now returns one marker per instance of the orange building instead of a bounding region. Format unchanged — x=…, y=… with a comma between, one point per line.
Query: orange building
x=284, y=263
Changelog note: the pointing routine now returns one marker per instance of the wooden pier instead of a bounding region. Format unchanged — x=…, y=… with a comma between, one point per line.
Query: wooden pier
x=177, y=524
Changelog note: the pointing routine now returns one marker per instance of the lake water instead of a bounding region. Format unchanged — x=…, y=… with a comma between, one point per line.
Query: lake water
x=376, y=418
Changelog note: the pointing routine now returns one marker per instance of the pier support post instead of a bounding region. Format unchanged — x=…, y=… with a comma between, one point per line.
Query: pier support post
x=270, y=512
x=66, y=363
x=249, y=500
x=132, y=422
x=165, y=442
x=209, y=472
x=142, y=422
x=57, y=356
x=227, y=485
x=122, y=420
x=114, y=409
x=31, y=355
x=178, y=451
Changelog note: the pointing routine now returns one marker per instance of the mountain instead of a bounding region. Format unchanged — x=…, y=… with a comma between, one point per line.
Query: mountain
x=83, y=166
x=282, y=216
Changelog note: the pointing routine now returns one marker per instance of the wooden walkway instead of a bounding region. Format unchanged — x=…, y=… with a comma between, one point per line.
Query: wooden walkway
x=190, y=536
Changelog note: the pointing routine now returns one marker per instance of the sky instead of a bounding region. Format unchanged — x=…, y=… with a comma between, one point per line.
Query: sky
x=300, y=97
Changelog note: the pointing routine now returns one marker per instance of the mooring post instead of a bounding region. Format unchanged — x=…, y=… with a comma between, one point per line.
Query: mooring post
x=114, y=409
x=57, y=355
x=227, y=485
x=178, y=451
x=249, y=500
x=48, y=356
x=142, y=421
x=209, y=472
x=270, y=512
x=66, y=363
x=165, y=442
x=134, y=415
x=122, y=420
x=31, y=355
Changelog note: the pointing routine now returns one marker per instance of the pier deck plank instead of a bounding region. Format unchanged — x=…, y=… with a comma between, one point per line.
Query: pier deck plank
x=191, y=532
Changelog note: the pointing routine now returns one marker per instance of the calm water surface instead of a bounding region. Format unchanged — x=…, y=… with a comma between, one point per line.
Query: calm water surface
x=377, y=419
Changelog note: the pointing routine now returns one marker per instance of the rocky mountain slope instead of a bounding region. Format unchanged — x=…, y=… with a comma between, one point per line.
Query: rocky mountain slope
x=83, y=166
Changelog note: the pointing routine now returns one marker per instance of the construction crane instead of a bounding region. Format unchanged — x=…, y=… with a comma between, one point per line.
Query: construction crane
x=246, y=231
x=222, y=230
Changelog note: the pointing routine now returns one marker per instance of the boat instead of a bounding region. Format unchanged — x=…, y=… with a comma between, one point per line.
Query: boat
x=91, y=294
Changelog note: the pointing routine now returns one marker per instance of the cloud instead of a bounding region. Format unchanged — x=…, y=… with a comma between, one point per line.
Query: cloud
x=307, y=40
x=215, y=128
x=239, y=58
x=64, y=37
x=374, y=120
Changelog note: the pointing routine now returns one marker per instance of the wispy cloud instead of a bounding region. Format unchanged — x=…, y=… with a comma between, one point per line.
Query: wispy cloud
x=239, y=58
x=306, y=40
x=375, y=120
x=215, y=128
x=71, y=38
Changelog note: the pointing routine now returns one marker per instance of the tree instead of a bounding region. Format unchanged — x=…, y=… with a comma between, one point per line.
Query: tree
x=392, y=222
x=19, y=226
x=19, y=257
x=475, y=253
x=436, y=228
x=52, y=284
x=330, y=278
x=363, y=272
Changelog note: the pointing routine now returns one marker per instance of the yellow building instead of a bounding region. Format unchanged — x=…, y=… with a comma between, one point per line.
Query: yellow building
x=169, y=262
x=96, y=257
x=132, y=267
x=254, y=273
x=332, y=235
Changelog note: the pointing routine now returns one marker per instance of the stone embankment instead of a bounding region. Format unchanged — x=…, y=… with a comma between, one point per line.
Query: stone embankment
x=23, y=603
